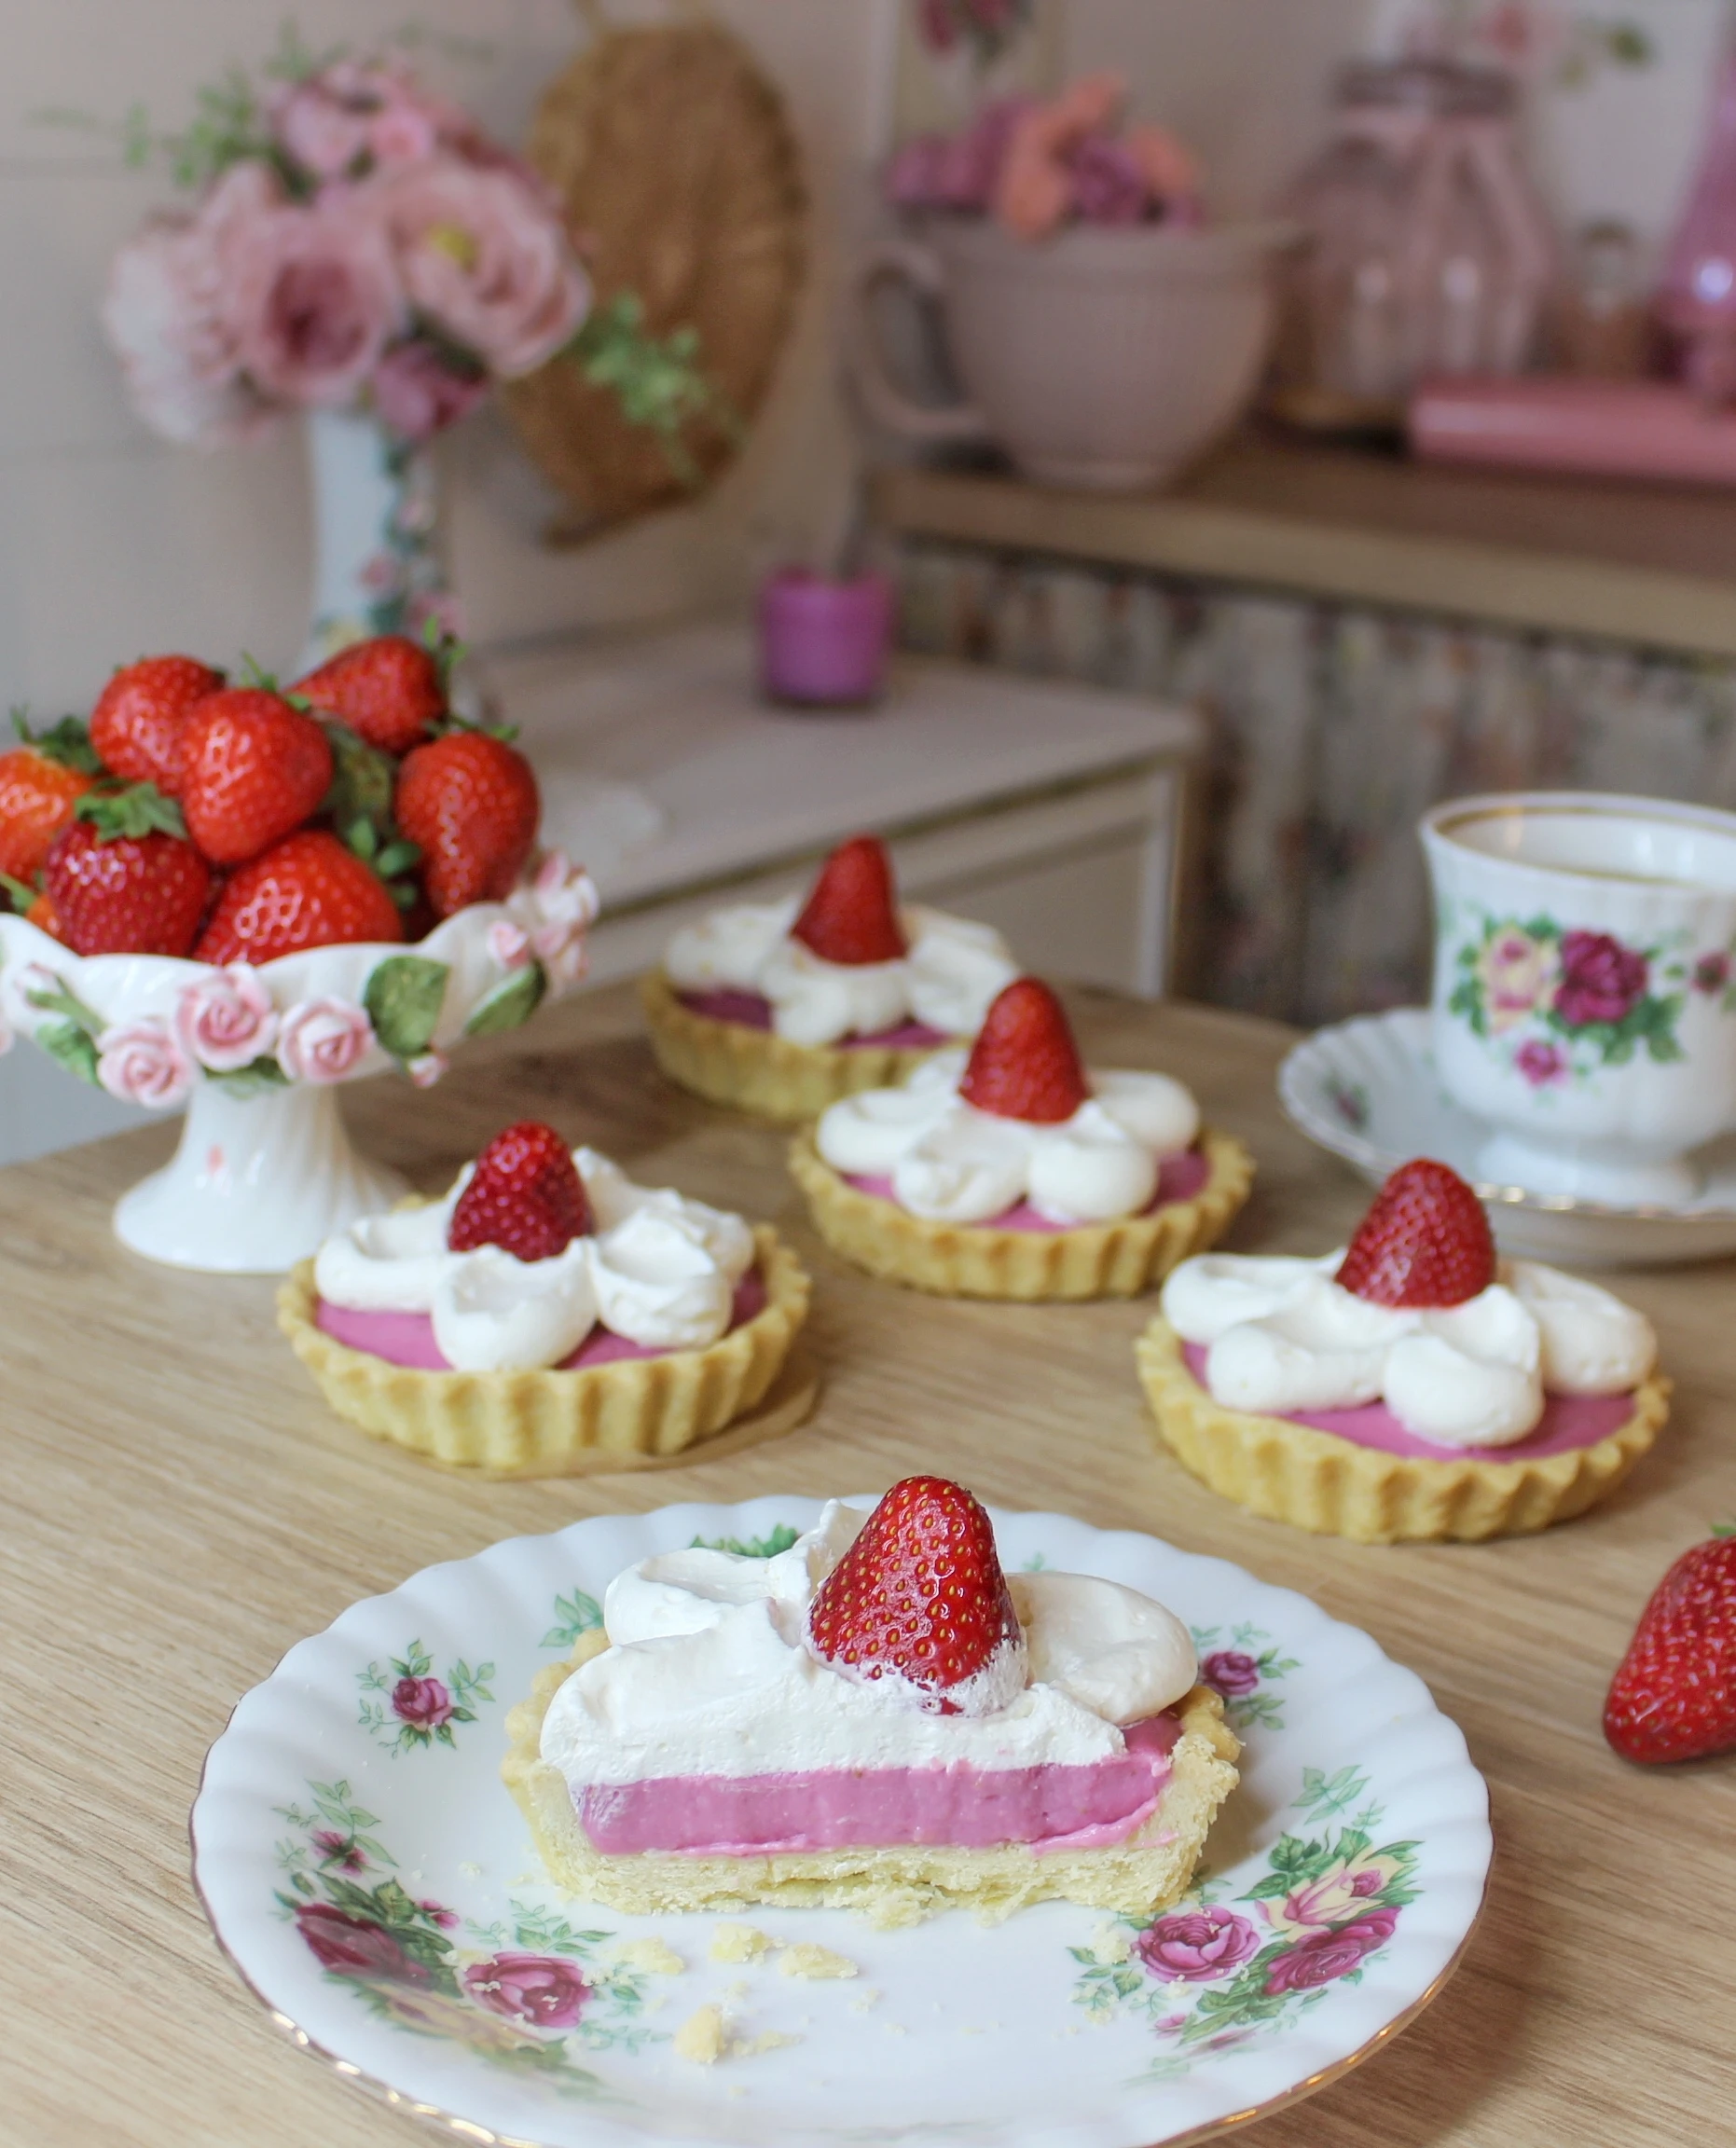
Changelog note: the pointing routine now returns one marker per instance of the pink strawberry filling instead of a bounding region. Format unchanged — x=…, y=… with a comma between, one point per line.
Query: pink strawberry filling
x=751, y=1012
x=407, y=1339
x=1568, y=1422
x=1050, y=1807
x=1178, y=1178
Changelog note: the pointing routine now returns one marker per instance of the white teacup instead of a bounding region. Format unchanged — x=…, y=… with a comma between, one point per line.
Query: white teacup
x=1585, y=988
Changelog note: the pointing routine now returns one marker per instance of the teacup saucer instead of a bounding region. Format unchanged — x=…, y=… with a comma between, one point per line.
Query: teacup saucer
x=1367, y=1090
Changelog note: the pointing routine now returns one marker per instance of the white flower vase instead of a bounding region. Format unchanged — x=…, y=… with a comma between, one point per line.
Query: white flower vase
x=378, y=566
x=257, y=1182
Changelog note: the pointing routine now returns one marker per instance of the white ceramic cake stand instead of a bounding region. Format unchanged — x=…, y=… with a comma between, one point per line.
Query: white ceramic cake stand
x=265, y=1170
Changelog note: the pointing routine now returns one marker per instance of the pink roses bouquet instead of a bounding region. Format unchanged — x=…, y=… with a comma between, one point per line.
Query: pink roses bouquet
x=354, y=242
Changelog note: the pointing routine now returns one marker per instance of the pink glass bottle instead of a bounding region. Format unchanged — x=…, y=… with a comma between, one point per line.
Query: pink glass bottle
x=1696, y=298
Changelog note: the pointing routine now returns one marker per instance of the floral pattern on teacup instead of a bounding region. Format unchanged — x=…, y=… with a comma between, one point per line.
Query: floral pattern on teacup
x=1560, y=1004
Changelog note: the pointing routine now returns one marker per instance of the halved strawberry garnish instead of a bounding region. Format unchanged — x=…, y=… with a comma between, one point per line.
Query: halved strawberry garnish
x=920, y=1596
x=525, y=1196
x=1024, y=1063
x=1424, y=1242
x=851, y=917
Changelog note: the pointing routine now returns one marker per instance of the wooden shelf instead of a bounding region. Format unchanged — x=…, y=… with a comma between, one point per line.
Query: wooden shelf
x=1648, y=564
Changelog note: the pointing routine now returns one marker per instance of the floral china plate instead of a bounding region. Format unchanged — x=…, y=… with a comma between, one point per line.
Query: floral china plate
x=1367, y=1090
x=374, y=1884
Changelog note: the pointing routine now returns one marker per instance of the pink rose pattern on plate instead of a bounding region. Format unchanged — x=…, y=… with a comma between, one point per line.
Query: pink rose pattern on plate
x=527, y=1992
x=1239, y=1667
x=419, y=1709
x=1211, y=1973
x=1560, y=1004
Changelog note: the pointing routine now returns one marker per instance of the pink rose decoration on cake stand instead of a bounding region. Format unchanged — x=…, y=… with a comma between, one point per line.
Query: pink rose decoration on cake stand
x=143, y=1062
x=225, y=1020
x=323, y=1040
x=265, y=1171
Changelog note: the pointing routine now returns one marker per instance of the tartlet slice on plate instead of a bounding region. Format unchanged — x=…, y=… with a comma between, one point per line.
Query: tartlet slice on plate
x=1410, y=1388
x=875, y=1720
x=1014, y=1171
x=548, y=1317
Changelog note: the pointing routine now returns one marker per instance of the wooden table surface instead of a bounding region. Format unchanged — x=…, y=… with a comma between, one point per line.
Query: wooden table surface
x=177, y=1507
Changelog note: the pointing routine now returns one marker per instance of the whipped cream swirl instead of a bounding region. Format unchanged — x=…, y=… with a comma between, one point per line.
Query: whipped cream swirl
x=708, y=1673
x=661, y=1271
x=952, y=973
x=1280, y=1335
x=952, y=1163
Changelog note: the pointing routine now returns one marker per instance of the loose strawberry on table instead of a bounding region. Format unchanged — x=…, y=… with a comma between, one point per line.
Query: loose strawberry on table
x=851, y=917
x=389, y=691
x=469, y=802
x=525, y=1196
x=919, y=1596
x=122, y=880
x=1674, y=1696
x=140, y=715
x=306, y=891
x=41, y=782
x=253, y=769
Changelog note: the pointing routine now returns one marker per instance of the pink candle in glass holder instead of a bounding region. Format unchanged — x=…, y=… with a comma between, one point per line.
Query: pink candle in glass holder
x=824, y=643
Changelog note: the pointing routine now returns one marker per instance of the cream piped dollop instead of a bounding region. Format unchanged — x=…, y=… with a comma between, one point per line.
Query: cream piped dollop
x=708, y=1673
x=1281, y=1335
x=660, y=1271
x=952, y=971
x=952, y=1163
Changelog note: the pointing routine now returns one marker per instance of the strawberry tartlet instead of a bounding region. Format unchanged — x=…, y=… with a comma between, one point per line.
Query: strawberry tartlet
x=1012, y=1171
x=782, y=1007
x=1411, y=1387
x=875, y=1720
x=550, y=1317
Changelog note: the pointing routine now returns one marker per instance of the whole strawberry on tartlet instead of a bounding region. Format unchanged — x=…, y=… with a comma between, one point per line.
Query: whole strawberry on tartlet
x=782, y=1007
x=1013, y=1171
x=1411, y=1386
x=878, y=1718
x=1673, y=1696
x=550, y=1317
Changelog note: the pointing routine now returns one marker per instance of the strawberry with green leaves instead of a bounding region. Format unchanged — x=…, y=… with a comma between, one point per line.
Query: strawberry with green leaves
x=309, y=890
x=252, y=770
x=1674, y=1696
x=468, y=801
x=123, y=879
x=41, y=782
x=140, y=716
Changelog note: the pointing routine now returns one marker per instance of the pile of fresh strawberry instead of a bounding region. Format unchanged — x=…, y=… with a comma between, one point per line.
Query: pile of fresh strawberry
x=235, y=823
